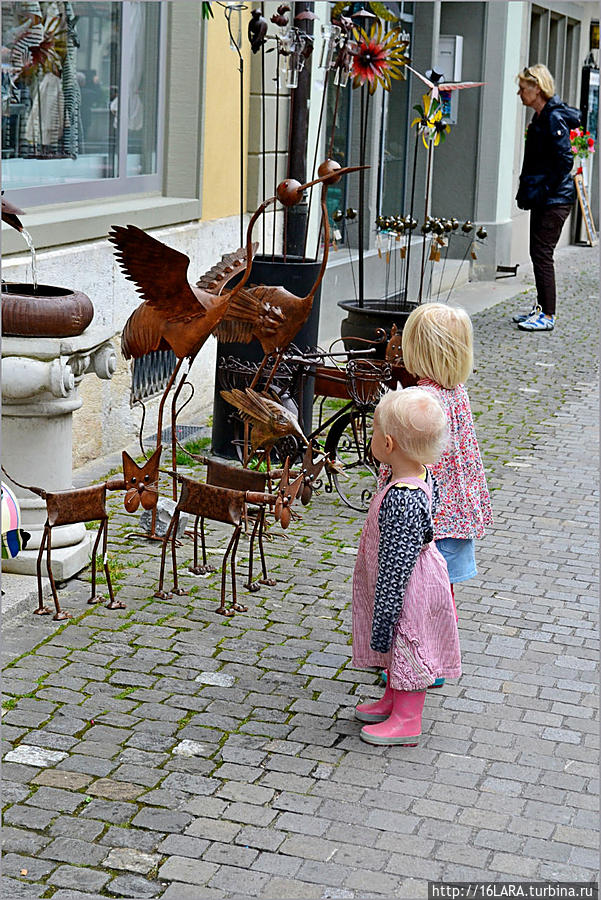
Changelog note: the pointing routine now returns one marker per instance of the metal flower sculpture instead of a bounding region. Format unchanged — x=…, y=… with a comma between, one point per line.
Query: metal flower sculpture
x=430, y=123
x=379, y=58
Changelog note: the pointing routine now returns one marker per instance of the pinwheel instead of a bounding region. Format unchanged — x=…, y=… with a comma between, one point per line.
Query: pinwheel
x=430, y=123
x=438, y=86
x=378, y=58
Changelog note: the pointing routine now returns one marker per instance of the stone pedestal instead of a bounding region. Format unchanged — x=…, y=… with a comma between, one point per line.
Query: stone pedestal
x=40, y=377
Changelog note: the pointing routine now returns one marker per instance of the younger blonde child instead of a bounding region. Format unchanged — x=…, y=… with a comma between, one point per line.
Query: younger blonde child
x=403, y=613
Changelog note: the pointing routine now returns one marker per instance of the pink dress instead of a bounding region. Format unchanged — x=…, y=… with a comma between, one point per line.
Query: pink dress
x=425, y=644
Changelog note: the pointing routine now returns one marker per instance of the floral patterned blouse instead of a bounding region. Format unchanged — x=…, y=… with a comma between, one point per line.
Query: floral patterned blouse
x=465, y=509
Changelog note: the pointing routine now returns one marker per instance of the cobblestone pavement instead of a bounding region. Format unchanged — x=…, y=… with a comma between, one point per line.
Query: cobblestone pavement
x=163, y=751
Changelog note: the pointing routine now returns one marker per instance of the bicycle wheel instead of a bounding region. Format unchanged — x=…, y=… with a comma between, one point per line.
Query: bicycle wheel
x=347, y=444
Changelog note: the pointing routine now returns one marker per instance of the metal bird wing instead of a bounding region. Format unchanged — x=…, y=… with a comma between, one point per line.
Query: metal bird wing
x=253, y=407
x=160, y=275
x=159, y=272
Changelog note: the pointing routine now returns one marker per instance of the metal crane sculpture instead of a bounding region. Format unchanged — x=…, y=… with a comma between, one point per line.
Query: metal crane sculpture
x=272, y=314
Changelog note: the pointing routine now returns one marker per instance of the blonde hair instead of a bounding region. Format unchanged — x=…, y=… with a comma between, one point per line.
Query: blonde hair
x=540, y=75
x=416, y=421
x=437, y=343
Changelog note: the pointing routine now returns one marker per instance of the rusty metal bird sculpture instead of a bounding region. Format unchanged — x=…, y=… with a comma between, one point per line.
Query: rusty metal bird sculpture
x=257, y=29
x=270, y=420
x=272, y=314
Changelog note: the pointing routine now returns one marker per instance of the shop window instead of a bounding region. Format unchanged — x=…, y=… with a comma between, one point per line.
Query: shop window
x=81, y=96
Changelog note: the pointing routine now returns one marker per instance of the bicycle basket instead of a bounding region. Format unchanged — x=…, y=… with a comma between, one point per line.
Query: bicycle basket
x=366, y=380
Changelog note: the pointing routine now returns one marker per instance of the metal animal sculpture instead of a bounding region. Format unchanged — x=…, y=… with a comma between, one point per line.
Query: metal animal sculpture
x=272, y=314
x=220, y=505
x=174, y=314
x=10, y=215
x=269, y=420
x=141, y=483
x=86, y=504
x=394, y=345
x=225, y=475
x=286, y=495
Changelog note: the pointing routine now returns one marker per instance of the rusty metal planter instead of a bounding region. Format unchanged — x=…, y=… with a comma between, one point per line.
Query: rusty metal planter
x=49, y=311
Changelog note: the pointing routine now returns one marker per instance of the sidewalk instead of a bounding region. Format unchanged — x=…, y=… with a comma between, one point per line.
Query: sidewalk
x=163, y=751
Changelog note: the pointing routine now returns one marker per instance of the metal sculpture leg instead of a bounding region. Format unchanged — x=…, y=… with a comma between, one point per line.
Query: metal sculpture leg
x=170, y=535
x=60, y=613
x=204, y=569
x=221, y=609
x=180, y=592
x=112, y=604
x=43, y=610
x=96, y=598
x=250, y=585
x=270, y=582
x=234, y=606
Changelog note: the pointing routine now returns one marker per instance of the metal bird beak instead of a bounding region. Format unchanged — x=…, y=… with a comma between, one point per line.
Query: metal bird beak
x=332, y=177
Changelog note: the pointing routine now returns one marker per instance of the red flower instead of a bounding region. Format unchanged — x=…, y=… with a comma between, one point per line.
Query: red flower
x=590, y=142
x=573, y=134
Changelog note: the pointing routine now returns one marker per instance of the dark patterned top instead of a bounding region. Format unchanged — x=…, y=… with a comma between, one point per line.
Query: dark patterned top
x=405, y=524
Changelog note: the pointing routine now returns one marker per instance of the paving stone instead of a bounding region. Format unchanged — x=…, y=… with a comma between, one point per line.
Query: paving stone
x=10, y=889
x=114, y=790
x=76, y=827
x=177, y=890
x=57, y=778
x=134, y=886
x=162, y=820
x=17, y=840
x=230, y=880
x=55, y=798
x=79, y=878
x=213, y=829
x=190, y=871
x=131, y=860
x=35, y=756
x=14, y=863
x=73, y=850
x=109, y=811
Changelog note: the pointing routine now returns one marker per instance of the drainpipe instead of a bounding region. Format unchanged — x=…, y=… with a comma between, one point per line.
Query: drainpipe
x=297, y=145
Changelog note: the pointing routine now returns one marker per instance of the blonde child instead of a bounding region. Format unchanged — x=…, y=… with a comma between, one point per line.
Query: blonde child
x=403, y=613
x=437, y=346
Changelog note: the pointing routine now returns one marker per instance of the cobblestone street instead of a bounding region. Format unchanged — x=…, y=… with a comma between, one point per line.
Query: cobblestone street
x=165, y=751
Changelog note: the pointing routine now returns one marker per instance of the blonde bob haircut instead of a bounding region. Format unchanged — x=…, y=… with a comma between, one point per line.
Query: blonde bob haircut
x=416, y=422
x=437, y=343
x=540, y=75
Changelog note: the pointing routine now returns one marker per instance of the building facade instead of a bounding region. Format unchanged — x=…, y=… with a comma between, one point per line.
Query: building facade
x=146, y=113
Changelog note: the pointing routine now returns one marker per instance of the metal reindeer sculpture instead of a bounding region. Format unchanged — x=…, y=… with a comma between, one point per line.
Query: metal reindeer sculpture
x=218, y=504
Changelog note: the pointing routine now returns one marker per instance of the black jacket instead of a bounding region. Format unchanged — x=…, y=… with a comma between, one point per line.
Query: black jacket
x=546, y=178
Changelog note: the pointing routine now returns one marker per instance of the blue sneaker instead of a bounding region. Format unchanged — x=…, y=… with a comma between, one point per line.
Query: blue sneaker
x=521, y=317
x=538, y=321
x=437, y=684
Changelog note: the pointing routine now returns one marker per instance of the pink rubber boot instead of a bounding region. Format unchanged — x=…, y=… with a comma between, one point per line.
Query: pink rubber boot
x=404, y=724
x=378, y=711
